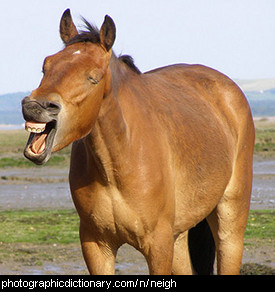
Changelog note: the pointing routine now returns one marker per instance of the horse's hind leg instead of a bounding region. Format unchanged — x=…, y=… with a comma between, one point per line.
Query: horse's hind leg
x=228, y=222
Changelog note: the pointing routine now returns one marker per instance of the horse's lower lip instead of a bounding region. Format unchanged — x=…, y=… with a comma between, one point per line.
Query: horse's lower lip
x=41, y=154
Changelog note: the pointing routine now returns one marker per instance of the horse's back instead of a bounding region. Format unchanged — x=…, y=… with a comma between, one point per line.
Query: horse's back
x=199, y=96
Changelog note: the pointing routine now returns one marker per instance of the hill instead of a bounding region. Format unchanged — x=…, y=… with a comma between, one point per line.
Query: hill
x=10, y=108
x=260, y=94
x=260, y=85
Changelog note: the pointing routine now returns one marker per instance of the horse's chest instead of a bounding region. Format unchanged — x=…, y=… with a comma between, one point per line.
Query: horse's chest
x=107, y=211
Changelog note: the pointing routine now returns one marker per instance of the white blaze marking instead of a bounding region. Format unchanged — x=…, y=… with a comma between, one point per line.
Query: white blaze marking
x=77, y=52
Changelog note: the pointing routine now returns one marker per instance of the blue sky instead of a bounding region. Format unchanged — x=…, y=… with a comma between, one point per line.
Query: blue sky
x=236, y=37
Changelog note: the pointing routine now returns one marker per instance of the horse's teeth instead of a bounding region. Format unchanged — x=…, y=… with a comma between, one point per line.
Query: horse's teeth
x=34, y=130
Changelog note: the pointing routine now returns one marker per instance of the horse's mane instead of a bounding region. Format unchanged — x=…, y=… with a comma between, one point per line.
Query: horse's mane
x=91, y=34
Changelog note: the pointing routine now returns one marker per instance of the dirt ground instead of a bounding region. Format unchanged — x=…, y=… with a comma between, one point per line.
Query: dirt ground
x=63, y=259
x=34, y=259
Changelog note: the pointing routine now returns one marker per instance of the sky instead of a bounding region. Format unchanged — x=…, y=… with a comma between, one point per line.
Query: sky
x=236, y=37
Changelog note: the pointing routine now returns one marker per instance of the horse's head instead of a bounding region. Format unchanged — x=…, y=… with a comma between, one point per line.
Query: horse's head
x=65, y=105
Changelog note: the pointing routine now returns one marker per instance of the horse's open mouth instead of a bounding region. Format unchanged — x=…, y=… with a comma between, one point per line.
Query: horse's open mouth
x=40, y=142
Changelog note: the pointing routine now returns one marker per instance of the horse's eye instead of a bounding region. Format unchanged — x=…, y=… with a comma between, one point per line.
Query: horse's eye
x=93, y=80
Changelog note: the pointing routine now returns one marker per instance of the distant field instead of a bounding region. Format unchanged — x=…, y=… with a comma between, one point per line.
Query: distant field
x=265, y=136
x=12, y=144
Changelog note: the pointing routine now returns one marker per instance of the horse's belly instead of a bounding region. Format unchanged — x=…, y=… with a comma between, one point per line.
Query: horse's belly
x=197, y=194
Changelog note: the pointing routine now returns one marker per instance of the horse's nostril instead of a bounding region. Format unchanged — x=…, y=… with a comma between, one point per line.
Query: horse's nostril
x=25, y=100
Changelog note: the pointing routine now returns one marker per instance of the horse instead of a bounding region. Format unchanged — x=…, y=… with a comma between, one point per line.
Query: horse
x=160, y=160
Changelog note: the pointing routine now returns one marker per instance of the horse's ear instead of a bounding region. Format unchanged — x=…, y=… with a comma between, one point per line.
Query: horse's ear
x=67, y=28
x=107, y=33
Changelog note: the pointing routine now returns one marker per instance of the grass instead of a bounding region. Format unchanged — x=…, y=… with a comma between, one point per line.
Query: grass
x=61, y=226
x=21, y=162
x=265, y=137
x=261, y=224
x=13, y=141
x=265, y=140
x=12, y=144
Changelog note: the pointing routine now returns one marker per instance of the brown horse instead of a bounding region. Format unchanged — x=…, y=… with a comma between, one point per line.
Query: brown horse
x=154, y=154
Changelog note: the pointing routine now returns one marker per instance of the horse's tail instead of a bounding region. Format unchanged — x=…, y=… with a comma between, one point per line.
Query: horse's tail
x=202, y=248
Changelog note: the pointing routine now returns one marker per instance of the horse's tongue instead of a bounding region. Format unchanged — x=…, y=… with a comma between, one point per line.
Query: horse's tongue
x=39, y=143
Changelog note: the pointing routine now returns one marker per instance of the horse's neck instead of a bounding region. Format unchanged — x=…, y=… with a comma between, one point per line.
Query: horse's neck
x=109, y=140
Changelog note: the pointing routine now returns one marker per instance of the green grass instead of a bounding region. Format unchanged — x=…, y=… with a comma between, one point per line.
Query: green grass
x=14, y=162
x=12, y=145
x=265, y=137
x=13, y=141
x=265, y=140
x=59, y=226
x=261, y=224
x=21, y=162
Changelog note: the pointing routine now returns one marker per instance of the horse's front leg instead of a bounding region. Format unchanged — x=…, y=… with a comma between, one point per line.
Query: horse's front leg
x=99, y=256
x=159, y=251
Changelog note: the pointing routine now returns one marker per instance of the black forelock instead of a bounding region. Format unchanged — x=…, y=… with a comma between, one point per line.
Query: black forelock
x=91, y=34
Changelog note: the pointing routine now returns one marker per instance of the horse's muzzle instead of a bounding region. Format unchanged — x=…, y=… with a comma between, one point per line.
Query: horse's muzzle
x=40, y=111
